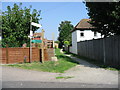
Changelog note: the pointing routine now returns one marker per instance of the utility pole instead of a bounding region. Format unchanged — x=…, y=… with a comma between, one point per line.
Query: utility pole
x=31, y=34
x=43, y=45
x=53, y=39
x=104, y=53
x=53, y=43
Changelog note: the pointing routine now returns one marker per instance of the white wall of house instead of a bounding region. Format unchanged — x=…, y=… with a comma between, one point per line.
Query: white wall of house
x=74, y=41
x=0, y=37
x=78, y=36
x=87, y=35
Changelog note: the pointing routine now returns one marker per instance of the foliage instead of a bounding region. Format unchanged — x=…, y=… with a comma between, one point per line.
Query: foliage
x=58, y=53
x=105, y=16
x=57, y=42
x=62, y=56
x=16, y=25
x=64, y=32
x=67, y=43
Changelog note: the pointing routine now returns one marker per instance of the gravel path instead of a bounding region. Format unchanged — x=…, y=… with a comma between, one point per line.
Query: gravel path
x=86, y=72
x=92, y=74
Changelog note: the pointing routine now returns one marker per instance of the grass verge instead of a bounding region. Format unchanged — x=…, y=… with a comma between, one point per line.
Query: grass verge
x=93, y=62
x=64, y=63
x=64, y=77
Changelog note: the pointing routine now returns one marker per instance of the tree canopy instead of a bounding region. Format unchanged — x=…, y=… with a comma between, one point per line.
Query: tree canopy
x=67, y=43
x=64, y=32
x=16, y=25
x=57, y=42
x=105, y=16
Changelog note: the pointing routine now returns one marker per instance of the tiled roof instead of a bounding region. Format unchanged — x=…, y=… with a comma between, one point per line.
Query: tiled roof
x=83, y=25
x=37, y=34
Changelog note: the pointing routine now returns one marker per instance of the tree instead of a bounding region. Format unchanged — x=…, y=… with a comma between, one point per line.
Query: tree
x=64, y=32
x=16, y=25
x=57, y=42
x=105, y=16
x=67, y=43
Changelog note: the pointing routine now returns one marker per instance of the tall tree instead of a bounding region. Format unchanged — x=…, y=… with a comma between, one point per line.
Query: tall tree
x=105, y=16
x=16, y=25
x=64, y=32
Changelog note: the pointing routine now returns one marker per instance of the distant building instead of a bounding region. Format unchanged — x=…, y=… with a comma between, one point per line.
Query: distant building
x=56, y=45
x=37, y=40
x=49, y=43
x=37, y=36
x=81, y=32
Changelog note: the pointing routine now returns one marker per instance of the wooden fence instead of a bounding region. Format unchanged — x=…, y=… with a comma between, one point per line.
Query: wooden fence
x=18, y=55
x=106, y=51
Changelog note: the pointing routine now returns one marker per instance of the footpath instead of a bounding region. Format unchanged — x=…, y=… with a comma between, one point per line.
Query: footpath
x=86, y=72
x=82, y=74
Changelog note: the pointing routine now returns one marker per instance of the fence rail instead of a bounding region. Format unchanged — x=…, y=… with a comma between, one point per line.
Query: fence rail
x=106, y=51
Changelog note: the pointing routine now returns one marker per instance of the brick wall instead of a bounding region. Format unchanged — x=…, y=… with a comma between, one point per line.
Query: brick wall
x=17, y=55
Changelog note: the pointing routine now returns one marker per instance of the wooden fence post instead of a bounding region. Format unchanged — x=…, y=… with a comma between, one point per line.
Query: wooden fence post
x=29, y=55
x=7, y=56
x=104, y=52
x=42, y=46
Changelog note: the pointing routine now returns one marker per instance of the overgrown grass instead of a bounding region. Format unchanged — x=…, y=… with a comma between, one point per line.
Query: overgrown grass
x=64, y=63
x=61, y=56
x=101, y=65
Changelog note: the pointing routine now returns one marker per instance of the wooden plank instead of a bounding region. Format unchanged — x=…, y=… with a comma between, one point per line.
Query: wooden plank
x=116, y=51
x=119, y=50
x=7, y=55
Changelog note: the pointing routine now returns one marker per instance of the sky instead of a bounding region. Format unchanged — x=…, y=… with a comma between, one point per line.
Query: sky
x=52, y=13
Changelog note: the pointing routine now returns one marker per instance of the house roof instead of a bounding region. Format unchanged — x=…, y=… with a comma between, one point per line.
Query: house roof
x=83, y=25
x=37, y=34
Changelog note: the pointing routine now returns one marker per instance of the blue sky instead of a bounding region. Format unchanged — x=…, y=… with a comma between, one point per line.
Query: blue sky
x=52, y=13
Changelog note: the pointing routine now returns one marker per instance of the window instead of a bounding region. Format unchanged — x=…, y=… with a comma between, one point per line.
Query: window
x=82, y=34
x=95, y=34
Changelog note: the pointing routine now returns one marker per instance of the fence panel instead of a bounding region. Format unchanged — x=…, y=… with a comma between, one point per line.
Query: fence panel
x=107, y=46
x=48, y=53
x=96, y=52
x=94, y=49
x=18, y=55
x=116, y=50
x=119, y=50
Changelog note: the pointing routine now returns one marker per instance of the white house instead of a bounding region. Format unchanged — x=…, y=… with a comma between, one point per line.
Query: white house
x=81, y=32
x=0, y=35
